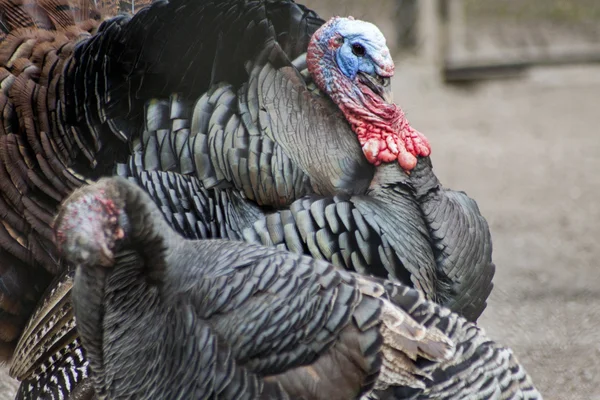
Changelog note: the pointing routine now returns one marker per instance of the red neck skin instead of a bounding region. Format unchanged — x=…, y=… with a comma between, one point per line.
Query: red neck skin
x=381, y=128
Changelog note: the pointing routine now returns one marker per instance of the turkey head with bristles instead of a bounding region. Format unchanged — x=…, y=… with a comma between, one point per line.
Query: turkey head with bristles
x=350, y=61
x=89, y=227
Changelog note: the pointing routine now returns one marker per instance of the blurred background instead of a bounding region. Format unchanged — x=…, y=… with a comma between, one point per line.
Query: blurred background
x=508, y=92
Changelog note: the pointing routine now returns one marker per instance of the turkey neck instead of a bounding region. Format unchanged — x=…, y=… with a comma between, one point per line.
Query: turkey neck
x=147, y=235
x=131, y=285
x=421, y=179
x=368, y=115
x=88, y=296
x=365, y=111
x=147, y=232
x=116, y=295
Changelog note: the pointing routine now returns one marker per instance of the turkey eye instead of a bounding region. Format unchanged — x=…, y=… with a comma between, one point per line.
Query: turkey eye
x=358, y=50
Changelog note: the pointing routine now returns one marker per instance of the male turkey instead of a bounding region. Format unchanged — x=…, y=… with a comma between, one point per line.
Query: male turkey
x=209, y=105
x=164, y=317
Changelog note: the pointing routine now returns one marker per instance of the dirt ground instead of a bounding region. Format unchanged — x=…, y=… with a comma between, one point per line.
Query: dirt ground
x=528, y=151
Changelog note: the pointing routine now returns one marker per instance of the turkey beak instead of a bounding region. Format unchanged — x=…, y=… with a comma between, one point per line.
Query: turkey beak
x=380, y=85
x=386, y=91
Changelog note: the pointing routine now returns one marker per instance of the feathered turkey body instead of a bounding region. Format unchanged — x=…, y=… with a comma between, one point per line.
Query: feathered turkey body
x=164, y=317
x=209, y=106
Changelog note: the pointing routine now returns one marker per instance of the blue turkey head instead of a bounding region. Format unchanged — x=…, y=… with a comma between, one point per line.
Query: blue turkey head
x=359, y=51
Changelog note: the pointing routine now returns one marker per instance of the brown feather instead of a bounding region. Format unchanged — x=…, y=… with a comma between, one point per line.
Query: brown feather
x=43, y=185
x=6, y=79
x=4, y=103
x=37, y=14
x=16, y=168
x=54, y=180
x=17, y=236
x=23, y=68
x=9, y=47
x=59, y=11
x=8, y=113
x=24, y=152
x=9, y=217
x=43, y=254
x=15, y=16
x=55, y=161
x=6, y=184
x=12, y=246
x=23, y=93
x=41, y=109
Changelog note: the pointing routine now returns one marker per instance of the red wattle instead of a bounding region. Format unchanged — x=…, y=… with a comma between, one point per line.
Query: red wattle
x=388, y=139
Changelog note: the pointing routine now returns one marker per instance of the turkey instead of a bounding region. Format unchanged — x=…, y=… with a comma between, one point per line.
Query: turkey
x=251, y=120
x=164, y=317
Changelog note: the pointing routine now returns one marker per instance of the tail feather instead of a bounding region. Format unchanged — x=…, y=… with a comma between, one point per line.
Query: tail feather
x=401, y=331
x=61, y=12
x=47, y=143
x=404, y=341
x=37, y=148
x=50, y=328
x=429, y=352
x=22, y=14
x=50, y=15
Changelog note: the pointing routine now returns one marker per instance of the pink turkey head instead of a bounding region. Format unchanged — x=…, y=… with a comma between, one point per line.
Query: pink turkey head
x=87, y=227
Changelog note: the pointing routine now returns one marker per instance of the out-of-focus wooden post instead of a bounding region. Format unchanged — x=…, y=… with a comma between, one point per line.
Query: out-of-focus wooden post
x=429, y=31
x=407, y=22
x=455, y=36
